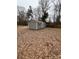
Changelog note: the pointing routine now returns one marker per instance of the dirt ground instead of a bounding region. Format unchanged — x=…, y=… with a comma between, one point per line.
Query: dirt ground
x=38, y=44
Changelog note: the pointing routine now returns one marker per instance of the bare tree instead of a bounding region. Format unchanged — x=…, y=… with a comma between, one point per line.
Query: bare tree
x=21, y=17
x=37, y=12
x=45, y=5
x=57, y=10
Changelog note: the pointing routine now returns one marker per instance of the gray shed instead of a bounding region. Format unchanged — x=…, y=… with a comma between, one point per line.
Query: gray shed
x=34, y=24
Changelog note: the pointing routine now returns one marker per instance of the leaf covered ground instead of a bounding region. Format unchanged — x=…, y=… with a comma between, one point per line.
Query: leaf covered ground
x=38, y=44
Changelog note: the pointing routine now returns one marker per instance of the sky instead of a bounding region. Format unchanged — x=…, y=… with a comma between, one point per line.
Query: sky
x=26, y=3
x=34, y=4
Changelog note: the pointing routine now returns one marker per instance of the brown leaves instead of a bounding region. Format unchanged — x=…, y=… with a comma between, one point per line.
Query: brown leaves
x=40, y=44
